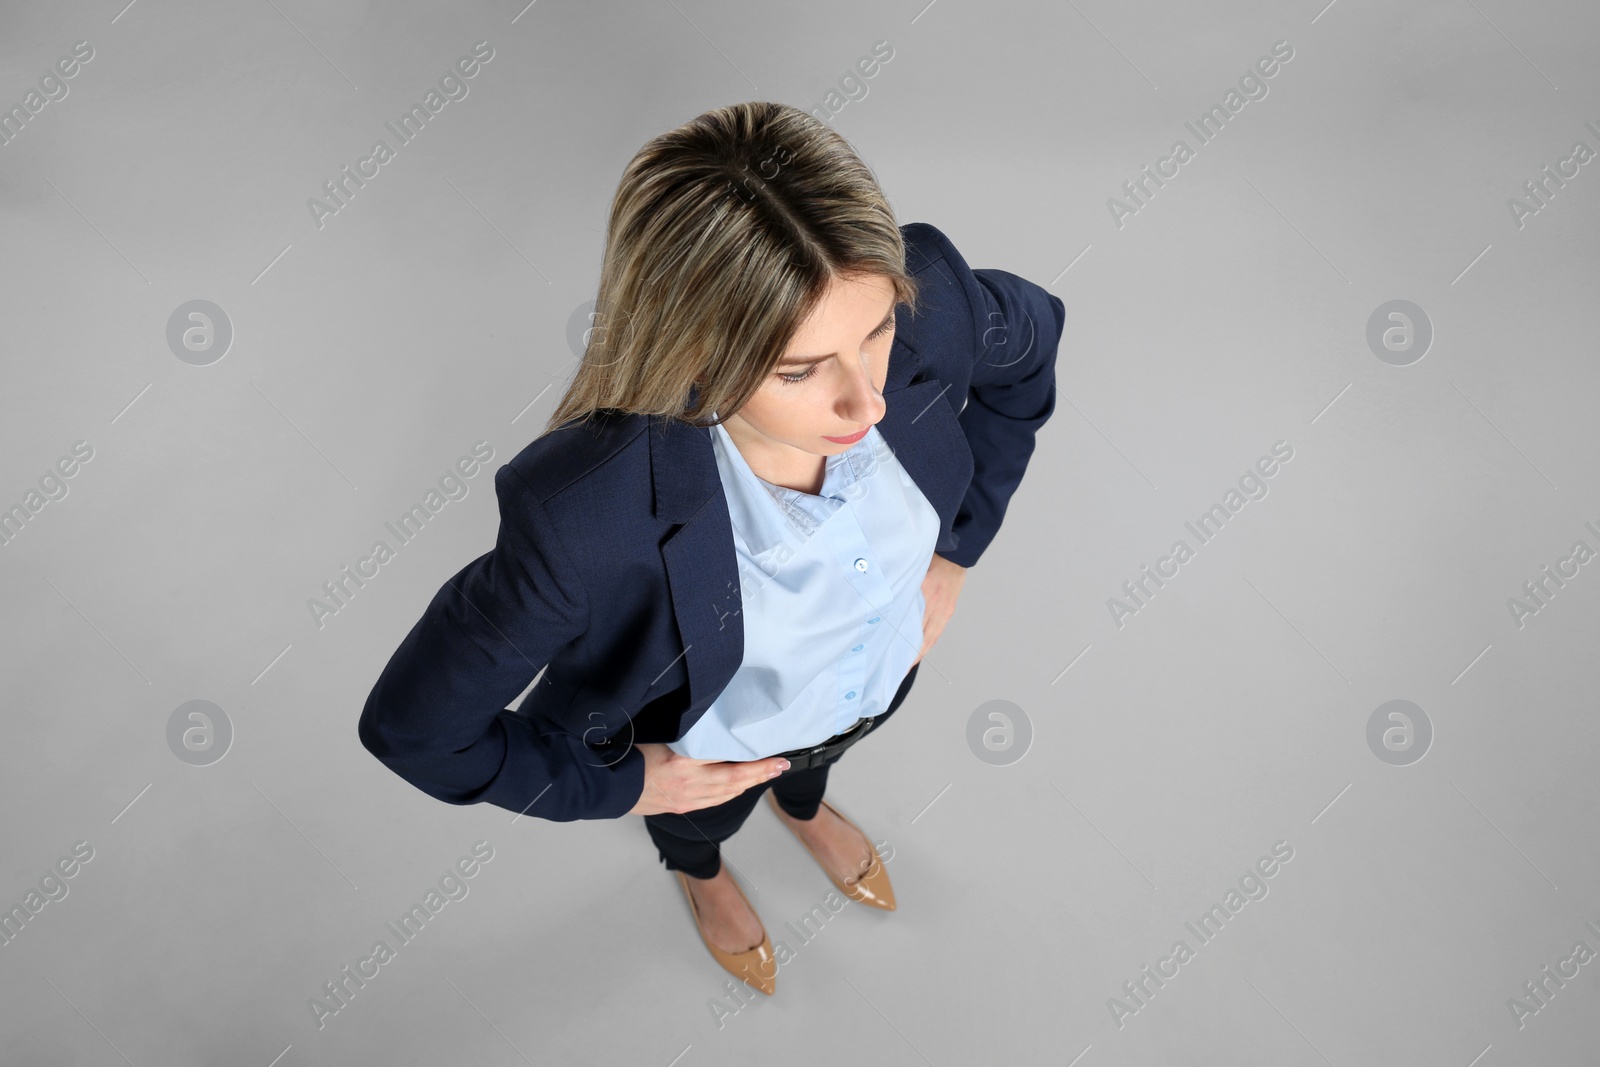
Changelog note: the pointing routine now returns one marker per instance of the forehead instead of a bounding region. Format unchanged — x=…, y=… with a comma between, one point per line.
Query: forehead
x=845, y=315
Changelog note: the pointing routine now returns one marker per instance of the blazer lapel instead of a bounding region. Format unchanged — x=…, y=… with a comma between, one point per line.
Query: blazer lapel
x=919, y=425
x=701, y=560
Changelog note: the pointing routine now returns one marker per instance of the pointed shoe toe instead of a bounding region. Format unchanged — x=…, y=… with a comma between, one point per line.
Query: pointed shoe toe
x=871, y=888
x=756, y=967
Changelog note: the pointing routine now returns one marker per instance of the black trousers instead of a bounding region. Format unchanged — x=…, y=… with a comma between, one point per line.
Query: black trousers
x=691, y=841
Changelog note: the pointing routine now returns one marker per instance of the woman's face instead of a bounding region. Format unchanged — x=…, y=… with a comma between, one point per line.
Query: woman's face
x=830, y=380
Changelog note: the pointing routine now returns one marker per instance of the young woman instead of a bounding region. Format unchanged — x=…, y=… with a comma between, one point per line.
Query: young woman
x=795, y=427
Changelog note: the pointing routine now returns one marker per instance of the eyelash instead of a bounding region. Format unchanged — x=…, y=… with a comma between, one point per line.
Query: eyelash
x=796, y=380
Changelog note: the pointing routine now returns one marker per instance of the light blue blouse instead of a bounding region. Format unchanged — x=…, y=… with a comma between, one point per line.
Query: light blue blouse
x=831, y=600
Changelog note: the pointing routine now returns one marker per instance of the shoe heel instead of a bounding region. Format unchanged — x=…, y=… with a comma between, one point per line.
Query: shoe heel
x=873, y=887
x=756, y=967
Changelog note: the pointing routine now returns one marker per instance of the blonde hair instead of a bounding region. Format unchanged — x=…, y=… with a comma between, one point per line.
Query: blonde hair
x=724, y=235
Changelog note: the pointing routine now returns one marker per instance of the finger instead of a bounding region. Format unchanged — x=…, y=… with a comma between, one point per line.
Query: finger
x=754, y=773
x=737, y=776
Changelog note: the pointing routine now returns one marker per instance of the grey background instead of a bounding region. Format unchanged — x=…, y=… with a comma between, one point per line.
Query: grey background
x=1229, y=713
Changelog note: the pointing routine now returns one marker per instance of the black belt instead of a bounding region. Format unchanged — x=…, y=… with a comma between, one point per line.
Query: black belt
x=801, y=759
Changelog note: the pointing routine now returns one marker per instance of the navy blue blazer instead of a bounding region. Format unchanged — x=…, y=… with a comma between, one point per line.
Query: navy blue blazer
x=614, y=569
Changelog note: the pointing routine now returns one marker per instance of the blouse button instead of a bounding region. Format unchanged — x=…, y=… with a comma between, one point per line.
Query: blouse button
x=850, y=695
x=861, y=565
x=874, y=619
x=858, y=648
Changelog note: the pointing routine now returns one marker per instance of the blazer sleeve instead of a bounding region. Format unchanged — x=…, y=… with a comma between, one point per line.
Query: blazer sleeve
x=1017, y=329
x=437, y=717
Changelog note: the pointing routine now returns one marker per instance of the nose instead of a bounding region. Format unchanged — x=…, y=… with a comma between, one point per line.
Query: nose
x=861, y=402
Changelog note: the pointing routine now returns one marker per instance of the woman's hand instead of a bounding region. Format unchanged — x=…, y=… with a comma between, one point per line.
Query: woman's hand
x=940, y=589
x=674, y=783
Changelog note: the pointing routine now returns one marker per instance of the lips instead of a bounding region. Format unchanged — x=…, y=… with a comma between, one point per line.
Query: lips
x=852, y=439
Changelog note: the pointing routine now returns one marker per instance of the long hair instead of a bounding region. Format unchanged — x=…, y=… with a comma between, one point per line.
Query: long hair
x=723, y=238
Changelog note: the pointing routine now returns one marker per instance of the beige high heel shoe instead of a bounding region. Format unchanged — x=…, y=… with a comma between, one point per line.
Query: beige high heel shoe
x=870, y=888
x=757, y=966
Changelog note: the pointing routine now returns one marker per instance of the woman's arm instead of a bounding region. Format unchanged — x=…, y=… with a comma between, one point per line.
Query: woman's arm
x=437, y=717
x=1013, y=394
x=1016, y=328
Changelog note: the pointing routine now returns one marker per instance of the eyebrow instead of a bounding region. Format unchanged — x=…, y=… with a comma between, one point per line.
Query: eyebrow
x=806, y=361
